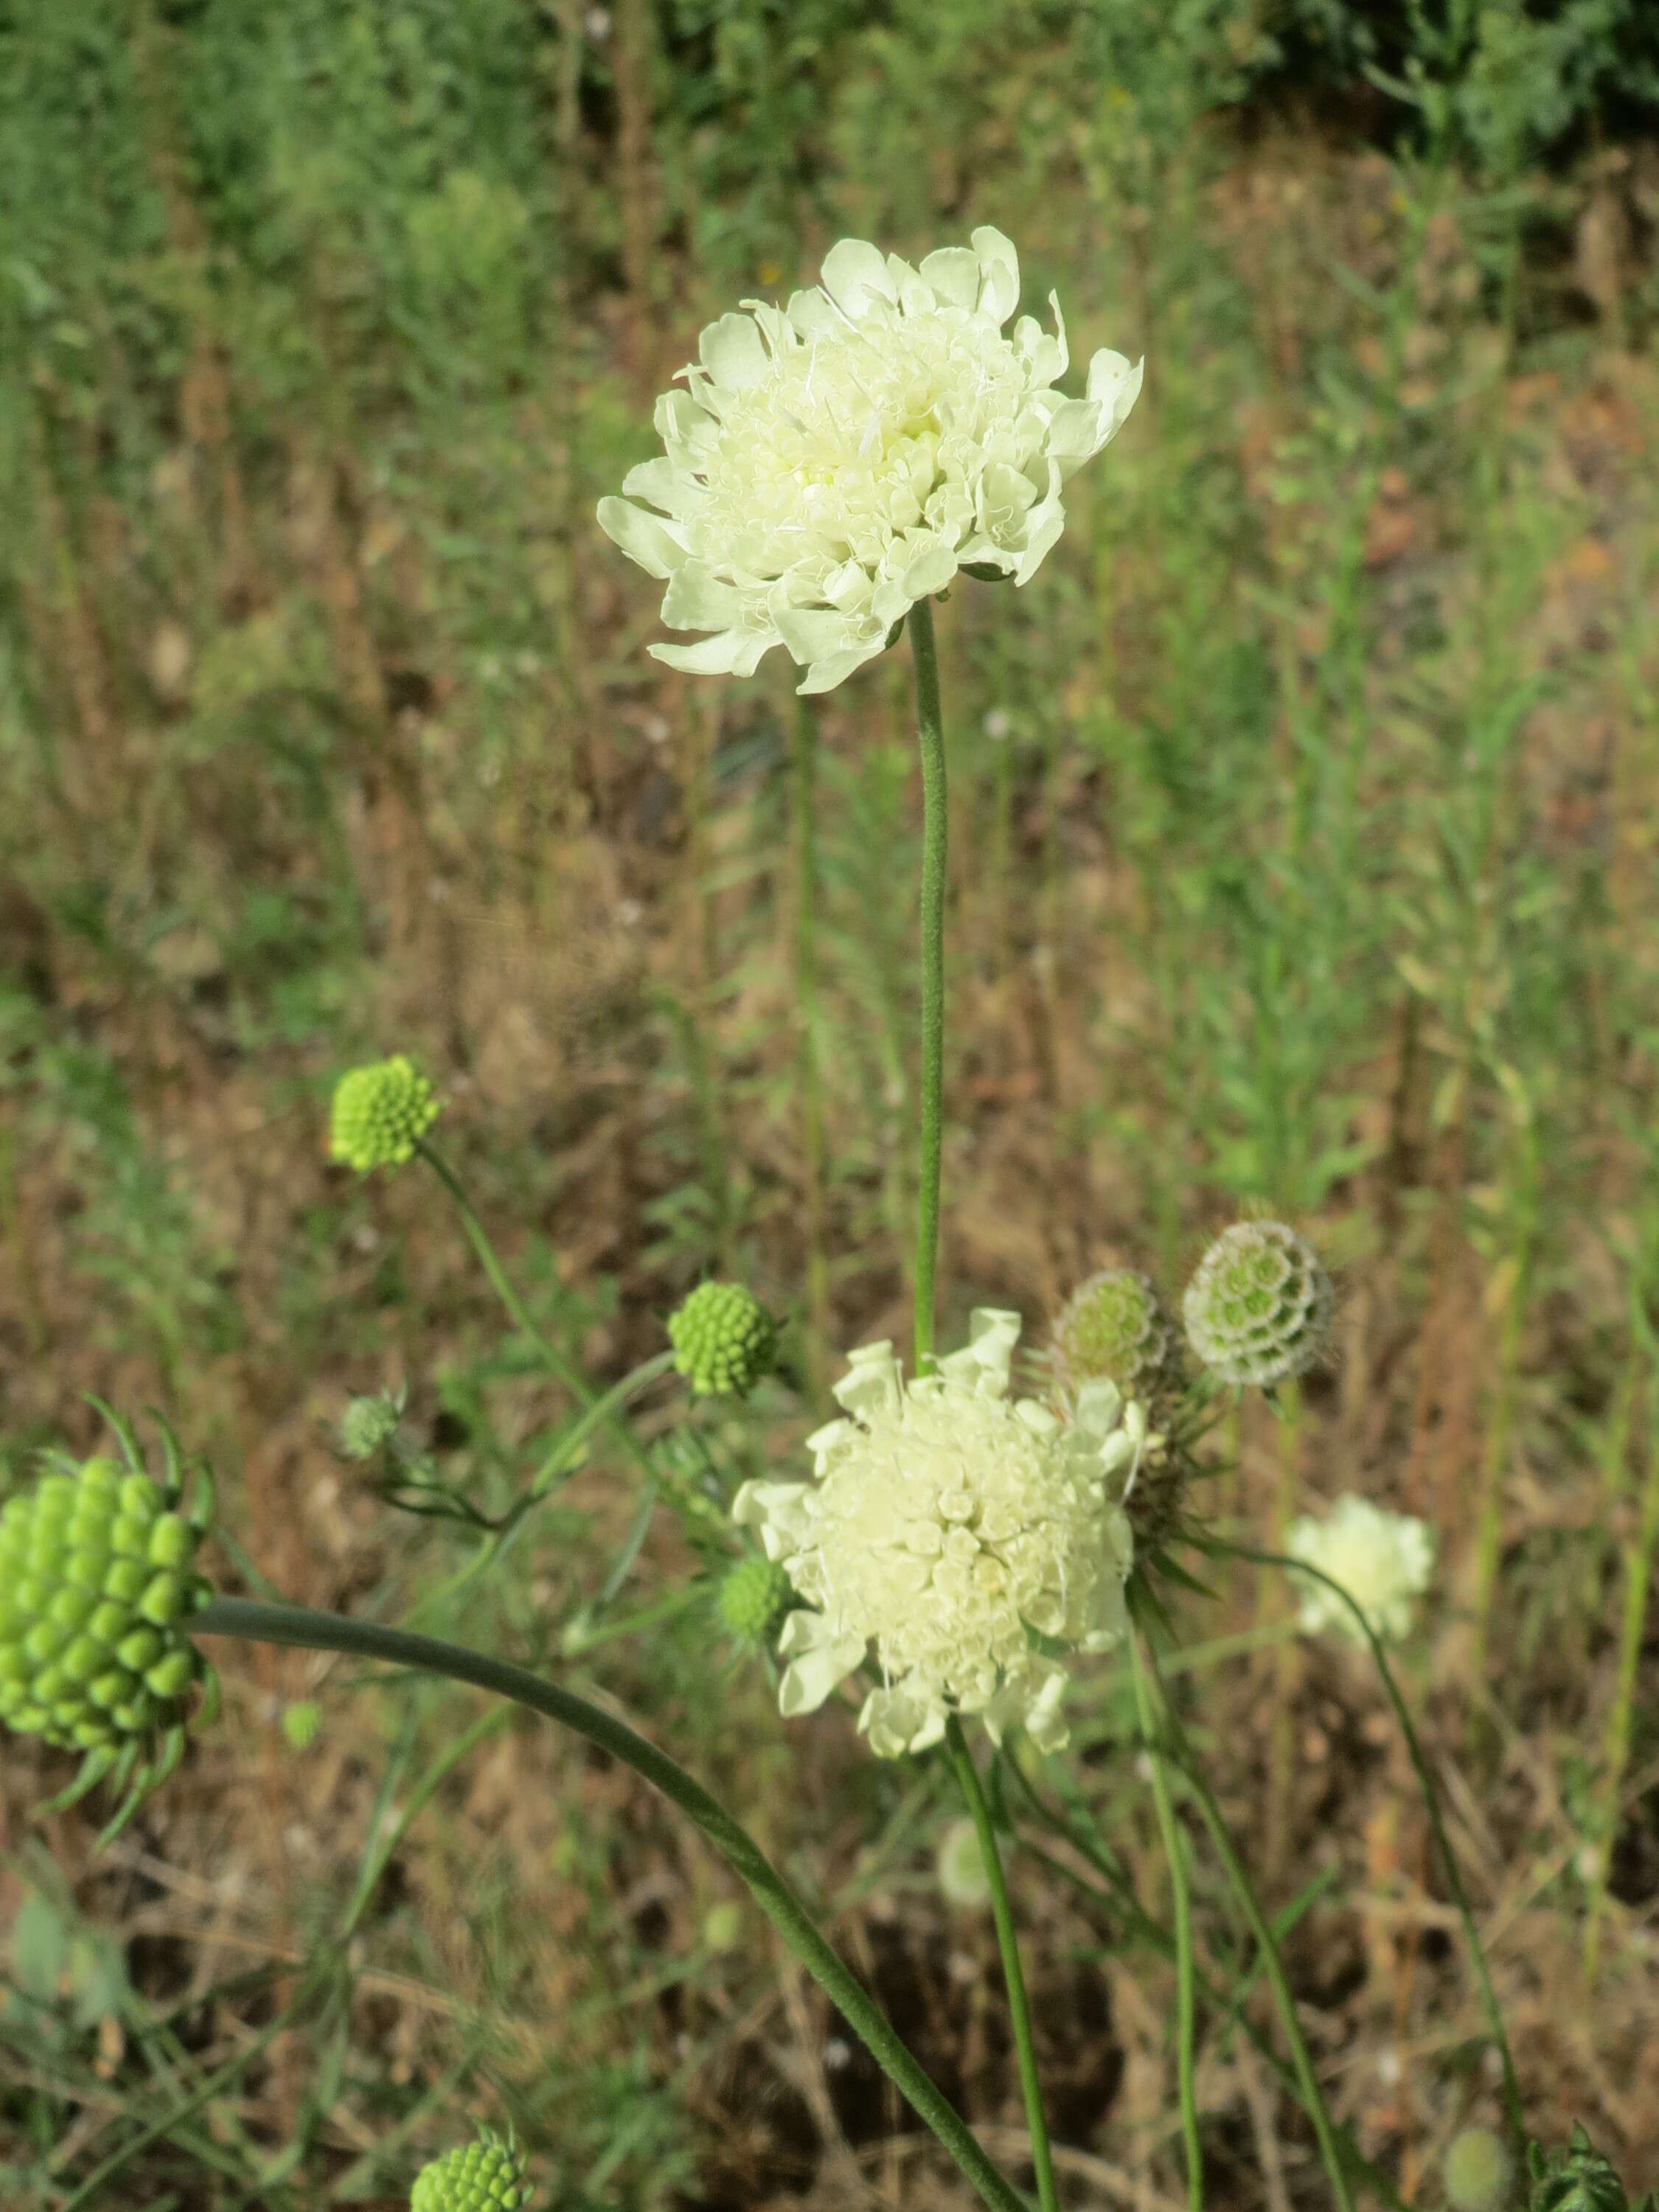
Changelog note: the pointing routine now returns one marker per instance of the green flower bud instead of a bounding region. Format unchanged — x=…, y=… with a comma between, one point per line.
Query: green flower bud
x=368, y=1422
x=724, y=1341
x=1258, y=1308
x=752, y=1599
x=97, y=1587
x=1576, y=2180
x=378, y=1114
x=1114, y=1328
x=1476, y=2171
x=485, y=2176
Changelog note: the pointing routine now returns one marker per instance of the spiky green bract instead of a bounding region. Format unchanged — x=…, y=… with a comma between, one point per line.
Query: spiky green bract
x=724, y=1341
x=368, y=1422
x=1476, y=2171
x=1576, y=2180
x=1113, y=1329
x=1258, y=1309
x=380, y=1113
x=483, y=2176
x=752, y=1599
x=98, y=1583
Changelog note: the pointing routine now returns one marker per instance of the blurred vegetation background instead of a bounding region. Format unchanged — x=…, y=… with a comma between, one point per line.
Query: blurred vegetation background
x=1304, y=850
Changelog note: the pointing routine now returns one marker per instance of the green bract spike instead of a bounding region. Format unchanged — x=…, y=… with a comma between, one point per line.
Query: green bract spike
x=98, y=1583
x=724, y=1341
x=1576, y=2180
x=379, y=1114
x=487, y=2175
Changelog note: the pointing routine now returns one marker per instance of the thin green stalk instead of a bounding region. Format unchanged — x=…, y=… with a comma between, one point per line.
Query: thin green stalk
x=1313, y=2096
x=924, y=655
x=1180, y=1906
x=1281, y=1749
x=1019, y=2011
x=806, y=1021
x=554, y=1360
x=1638, y=1582
x=304, y=1630
x=1432, y=1804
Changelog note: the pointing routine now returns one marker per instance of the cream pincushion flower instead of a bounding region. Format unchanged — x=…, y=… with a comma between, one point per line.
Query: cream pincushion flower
x=832, y=462
x=1383, y=1560
x=948, y=1520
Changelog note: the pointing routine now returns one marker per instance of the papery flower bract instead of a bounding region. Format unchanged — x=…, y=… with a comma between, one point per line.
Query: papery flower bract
x=831, y=462
x=967, y=1536
x=1383, y=1560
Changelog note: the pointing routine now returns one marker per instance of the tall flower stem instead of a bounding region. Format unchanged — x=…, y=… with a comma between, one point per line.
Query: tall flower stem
x=806, y=1021
x=1436, y=1822
x=304, y=1630
x=552, y=1358
x=924, y=655
x=1172, y=1743
x=1180, y=1906
x=1019, y=2011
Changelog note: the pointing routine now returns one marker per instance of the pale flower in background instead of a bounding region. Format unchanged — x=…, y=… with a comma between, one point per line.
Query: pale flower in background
x=970, y=1538
x=960, y=1865
x=1383, y=1560
x=831, y=462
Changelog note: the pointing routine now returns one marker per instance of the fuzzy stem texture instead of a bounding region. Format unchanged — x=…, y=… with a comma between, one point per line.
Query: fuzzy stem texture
x=1181, y=1907
x=304, y=1630
x=806, y=1019
x=924, y=655
x=1019, y=2010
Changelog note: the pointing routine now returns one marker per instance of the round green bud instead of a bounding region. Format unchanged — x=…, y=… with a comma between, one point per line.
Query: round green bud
x=724, y=1341
x=960, y=1865
x=97, y=1586
x=485, y=2176
x=1476, y=2171
x=752, y=1599
x=1113, y=1329
x=1258, y=1308
x=378, y=1113
x=367, y=1424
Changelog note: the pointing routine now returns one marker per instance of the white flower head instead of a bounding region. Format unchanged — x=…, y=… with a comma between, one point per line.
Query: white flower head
x=1383, y=1560
x=831, y=462
x=964, y=1535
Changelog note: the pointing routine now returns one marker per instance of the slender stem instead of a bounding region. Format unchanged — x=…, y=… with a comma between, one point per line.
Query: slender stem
x=297, y=1626
x=1019, y=2011
x=925, y=656
x=806, y=1019
x=1180, y=1906
x=554, y=1360
x=1426, y=1783
x=1313, y=2096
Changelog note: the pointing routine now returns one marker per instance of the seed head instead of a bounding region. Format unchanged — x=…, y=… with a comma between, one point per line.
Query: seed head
x=1258, y=1308
x=752, y=1599
x=724, y=1341
x=1476, y=2171
x=378, y=1113
x=98, y=1583
x=1114, y=1328
x=487, y=2175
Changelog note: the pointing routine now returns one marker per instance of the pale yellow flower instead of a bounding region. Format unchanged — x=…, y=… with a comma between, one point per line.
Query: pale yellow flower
x=967, y=1538
x=831, y=462
x=1383, y=1560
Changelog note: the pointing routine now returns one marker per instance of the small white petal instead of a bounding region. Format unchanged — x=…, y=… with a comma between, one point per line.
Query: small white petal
x=954, y=273
x=722, y=654
x=854, y=272
x=732, y=352
x=999, y=273
x=644, y=537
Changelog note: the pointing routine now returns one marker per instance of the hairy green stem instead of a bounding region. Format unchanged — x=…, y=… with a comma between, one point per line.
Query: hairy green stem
x=924, y=655
x=304, y=1630
x=1019, y=2010
x=1426, y=1783
x=1181, y=1906
x=1313, y=2096
x=806, y=1020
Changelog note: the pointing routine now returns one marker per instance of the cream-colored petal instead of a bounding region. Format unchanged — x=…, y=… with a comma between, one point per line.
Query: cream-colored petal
x=723, y=654
x=998, y=294
x=954, y=273
x=854, y=272
x=732, y=352
x=644, y=537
